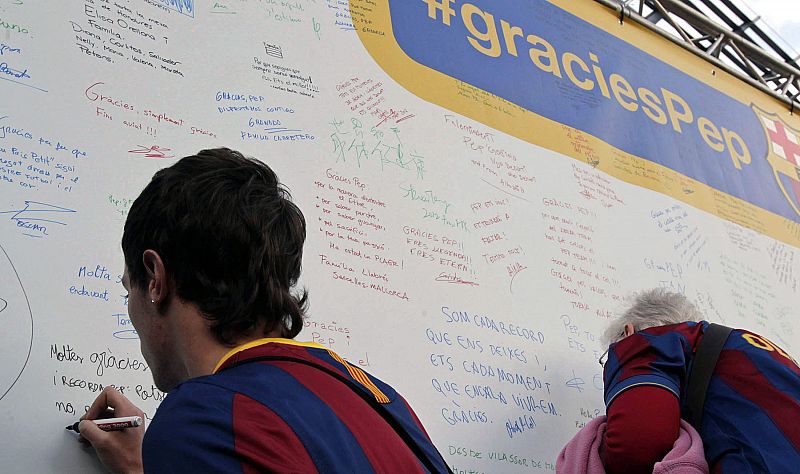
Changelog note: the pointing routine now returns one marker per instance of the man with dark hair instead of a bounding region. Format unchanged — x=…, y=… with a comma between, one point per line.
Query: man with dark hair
x=213, y=247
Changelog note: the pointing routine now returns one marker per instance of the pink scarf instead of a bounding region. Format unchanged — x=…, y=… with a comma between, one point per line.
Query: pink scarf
x=582, y=453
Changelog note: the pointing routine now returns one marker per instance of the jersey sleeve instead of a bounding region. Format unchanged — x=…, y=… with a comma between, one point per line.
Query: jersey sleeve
x=641, y=428
x=656, y=359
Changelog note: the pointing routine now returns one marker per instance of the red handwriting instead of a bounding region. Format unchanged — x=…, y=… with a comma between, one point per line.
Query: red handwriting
x=595, y=185
x=111, y=106
x=514, y=270
x=366, y=97
x=588, y=283
x=154, y=151
x=395, y=115
x=453, y=278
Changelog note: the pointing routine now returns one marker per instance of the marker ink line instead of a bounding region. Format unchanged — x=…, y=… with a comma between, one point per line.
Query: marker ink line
x=111, y=424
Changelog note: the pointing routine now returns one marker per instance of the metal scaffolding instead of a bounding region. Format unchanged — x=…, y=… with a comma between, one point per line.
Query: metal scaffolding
x=730, y=41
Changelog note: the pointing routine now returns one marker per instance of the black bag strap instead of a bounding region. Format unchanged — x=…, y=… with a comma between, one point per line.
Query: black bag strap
x=382, y=411
x=705, y=360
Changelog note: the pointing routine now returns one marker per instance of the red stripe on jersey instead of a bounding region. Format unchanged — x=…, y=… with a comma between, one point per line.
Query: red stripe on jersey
x=691, y=333
x=785, y=361
x=384, y=449
x=264, y=442
x=630, y=356
x=782, y=357
x=736, y=370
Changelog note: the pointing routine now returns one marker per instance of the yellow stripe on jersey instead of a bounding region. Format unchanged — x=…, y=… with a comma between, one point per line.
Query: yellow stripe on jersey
x=265, y=340
x=362, y=378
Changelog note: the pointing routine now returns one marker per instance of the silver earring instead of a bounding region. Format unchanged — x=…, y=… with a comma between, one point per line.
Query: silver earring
x=153, y=301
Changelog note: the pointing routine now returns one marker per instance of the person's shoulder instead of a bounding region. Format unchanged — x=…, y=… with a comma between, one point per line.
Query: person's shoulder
x=208, y=385
x=682, y=328
x=192, y=431
x=690, y=331
x=357, y=373
x=329, y=361
x=190, y=401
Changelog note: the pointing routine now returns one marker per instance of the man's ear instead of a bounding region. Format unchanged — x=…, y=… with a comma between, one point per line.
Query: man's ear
x=157, y=283
x=628, y=330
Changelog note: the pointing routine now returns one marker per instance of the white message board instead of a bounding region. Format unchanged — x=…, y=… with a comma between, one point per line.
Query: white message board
x=470, y=269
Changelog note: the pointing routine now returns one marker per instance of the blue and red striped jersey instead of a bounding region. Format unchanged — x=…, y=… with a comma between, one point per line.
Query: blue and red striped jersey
x=751, y=418
x=259, y=416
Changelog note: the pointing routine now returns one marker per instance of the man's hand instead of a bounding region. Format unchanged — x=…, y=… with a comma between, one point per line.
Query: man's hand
x=120, y=451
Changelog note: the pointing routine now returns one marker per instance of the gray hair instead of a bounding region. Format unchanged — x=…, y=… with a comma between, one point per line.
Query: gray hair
x=656, y=307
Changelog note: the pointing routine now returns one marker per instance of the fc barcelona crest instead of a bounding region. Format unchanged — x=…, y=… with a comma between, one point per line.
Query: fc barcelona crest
x=783, y=154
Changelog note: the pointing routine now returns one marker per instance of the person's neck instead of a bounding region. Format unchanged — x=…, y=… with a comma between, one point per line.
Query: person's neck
x=200, y=350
